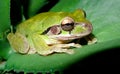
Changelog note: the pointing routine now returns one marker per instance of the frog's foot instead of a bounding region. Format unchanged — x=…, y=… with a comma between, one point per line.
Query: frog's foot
x=60, y=48
x=94, y=40
x=91, y=39
x=32, y=50
x=67, y=46
x=18, y=42
x=56, y=50
x=64, y=48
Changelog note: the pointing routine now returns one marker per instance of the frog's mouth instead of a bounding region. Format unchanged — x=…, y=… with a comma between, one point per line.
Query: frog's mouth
x=55, y=32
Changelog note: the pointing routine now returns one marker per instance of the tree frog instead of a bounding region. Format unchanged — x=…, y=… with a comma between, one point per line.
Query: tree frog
x=50, y=32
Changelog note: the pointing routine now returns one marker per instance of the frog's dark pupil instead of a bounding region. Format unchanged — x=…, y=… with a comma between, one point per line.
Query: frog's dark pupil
x=67, y=26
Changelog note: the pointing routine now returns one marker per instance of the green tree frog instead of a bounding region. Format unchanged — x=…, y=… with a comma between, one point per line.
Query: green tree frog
x=50, y=32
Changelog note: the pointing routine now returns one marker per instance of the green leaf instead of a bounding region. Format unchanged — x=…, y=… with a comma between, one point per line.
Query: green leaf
x=56, y=62
x=4, y=17
x=4, y=27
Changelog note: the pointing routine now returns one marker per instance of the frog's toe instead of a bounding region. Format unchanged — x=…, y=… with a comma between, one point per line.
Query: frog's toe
x=62, y=49
x=69, y=51
x=94, y=40
x=68, y=46
x=55, y=49
x=91, y=39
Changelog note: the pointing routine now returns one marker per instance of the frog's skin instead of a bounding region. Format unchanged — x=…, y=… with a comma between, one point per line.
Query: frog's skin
x=50, y=32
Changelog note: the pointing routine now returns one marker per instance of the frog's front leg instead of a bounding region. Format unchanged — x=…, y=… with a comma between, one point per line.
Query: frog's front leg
x=45, y=48
x=65, y=47
x=91, y=39
x=18, y=42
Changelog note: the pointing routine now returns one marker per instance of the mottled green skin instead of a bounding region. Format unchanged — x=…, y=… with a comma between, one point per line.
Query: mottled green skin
x=42, y=21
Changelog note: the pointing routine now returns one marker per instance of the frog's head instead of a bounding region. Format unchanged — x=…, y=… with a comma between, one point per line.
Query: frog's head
x=71, y=27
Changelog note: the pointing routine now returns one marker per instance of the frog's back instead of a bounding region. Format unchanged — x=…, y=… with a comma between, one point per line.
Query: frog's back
x=41, y=22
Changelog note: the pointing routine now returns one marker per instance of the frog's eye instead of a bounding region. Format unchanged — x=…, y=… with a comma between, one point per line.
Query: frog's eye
x=67, y=24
